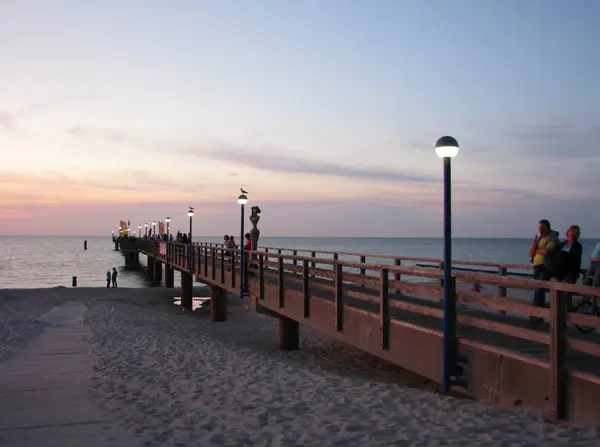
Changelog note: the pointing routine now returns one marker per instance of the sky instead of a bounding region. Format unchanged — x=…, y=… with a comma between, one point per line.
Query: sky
x=326, y=111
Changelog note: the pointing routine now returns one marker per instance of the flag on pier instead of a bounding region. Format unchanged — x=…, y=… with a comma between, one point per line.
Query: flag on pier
x=161, y=228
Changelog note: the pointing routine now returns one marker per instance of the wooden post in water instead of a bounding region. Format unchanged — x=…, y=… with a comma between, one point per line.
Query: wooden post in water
x=85, y=245
x=169, y=276
x=74, y=281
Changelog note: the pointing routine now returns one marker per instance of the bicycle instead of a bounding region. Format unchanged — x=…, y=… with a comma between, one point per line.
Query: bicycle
x=588, y=307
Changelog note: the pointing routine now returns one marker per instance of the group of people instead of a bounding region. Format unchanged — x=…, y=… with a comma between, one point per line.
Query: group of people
x=561, y=260
x=111, y=277
x=229, y=242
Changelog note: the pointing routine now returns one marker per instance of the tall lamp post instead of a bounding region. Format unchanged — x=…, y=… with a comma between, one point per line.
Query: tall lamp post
x=447, y=148
x=139, y=231
x=146, y=227
x=168, y=220
x=242, y=200
x=190, y=213
x=154, y=228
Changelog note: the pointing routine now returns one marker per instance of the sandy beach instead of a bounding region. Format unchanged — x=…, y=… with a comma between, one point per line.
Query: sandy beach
x=176, y=379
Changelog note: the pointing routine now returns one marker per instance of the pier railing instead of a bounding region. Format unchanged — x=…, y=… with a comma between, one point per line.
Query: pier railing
x=408, y=295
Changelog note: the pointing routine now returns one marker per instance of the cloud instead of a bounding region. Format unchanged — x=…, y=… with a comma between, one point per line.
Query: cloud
x=112, y=134
x=7, y=120
x=279, y=163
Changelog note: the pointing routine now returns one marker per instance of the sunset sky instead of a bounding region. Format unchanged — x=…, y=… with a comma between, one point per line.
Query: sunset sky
x=326, y=111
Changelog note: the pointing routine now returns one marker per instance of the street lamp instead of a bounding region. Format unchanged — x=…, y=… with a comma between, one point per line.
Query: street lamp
x=146, y=227
x=242, y=200
x=154, y=227
x=140, y=230
x=190, y=213
x=168, y=220
x=447, y=148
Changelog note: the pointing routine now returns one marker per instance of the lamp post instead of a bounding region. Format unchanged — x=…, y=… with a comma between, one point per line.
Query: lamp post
x=146, y=227
x=139, y=231
x=168, y=220
x=154, y=227
x=447, y=148
x=190, y=213
x=242, y=200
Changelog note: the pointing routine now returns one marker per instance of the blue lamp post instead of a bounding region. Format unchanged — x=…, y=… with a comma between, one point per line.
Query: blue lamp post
x=146, y=227
x=242, y=200
x=168, y=221
x=190, y=213
x=447, y=148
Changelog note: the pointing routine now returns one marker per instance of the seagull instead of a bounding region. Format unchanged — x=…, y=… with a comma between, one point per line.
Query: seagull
x=243, y=192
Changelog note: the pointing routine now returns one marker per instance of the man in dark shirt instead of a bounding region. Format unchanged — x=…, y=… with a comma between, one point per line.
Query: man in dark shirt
x=114, y=277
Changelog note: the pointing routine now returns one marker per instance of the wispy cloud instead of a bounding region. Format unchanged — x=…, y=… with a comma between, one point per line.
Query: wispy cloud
x=7, y=120
x=112, y=134
x=282, y=163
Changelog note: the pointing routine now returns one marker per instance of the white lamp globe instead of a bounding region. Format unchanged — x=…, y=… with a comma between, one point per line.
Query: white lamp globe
x=446, y=147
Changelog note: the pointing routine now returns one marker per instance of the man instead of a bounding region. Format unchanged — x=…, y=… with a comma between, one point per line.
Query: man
x=593, y=271
x=540, y=247
x=114, y=277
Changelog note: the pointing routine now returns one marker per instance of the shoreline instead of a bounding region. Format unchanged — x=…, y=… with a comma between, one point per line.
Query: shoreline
x=179, y=378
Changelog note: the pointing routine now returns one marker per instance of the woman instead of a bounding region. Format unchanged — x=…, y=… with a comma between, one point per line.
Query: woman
x=248, y=244
x=565, y=263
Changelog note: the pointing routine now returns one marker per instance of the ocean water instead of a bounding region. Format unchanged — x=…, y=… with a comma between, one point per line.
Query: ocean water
x=36, y=261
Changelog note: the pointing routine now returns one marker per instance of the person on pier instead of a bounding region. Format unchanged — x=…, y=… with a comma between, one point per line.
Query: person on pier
x=114, y=277
x=546, y=242
x=592, y=275
x=248, y=243
x=108, y=278
x=564, y=264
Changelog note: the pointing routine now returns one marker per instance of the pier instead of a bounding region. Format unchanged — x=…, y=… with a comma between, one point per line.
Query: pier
x=391, y=307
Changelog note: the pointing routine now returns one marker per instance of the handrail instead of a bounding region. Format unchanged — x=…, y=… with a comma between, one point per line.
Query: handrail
x=489, y=279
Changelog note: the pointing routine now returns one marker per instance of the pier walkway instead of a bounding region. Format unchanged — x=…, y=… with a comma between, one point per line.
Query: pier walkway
x=391, y=307
x=44, y=390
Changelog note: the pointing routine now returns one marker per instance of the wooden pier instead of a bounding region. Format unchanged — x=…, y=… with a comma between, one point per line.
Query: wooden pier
x=391, y=307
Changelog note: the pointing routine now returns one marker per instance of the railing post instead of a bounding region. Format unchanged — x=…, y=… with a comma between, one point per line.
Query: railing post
x=233, y=255
x=384, y=310
x=339, y=298
x=558, y=341
x=280, y=283
x=313, y=264
x=205, y=261
x=501, y=289
x=305, y=290
x=363, y=260
x=442, y=270
x=335, y=258
x=213, y=264
x=223, y=266
x=261, y=277
x=295, y=252
x=397, y=263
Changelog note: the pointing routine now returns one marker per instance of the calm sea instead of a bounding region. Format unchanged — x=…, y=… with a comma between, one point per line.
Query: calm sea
x=32, y=262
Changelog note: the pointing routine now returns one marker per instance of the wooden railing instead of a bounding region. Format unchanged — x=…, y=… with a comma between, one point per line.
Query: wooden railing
x=382, y=288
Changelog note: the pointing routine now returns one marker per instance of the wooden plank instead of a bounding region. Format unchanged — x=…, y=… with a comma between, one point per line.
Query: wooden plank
x=506, y=329
x=213, y=265
x=384, y=310
x=339, y=298
x=305, y=288
x=558, y=373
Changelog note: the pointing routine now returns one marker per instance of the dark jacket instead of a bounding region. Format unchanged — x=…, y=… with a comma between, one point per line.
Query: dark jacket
x=566, y=265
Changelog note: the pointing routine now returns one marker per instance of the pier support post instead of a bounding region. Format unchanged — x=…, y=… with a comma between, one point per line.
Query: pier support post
x=289, y=334
x=151, y=268
x=169, y=276
x=157, y=272
x=187, y=290
x=218, y=304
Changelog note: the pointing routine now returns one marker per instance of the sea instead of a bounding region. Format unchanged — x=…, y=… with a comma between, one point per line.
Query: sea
x=51, y=261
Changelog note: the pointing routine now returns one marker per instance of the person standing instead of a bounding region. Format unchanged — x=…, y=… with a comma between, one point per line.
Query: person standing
x=592, y=275
x=546, y=242
x=114, y=277
x=108, y=277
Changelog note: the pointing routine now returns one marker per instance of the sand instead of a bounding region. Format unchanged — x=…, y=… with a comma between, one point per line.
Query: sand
x=178, y=379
